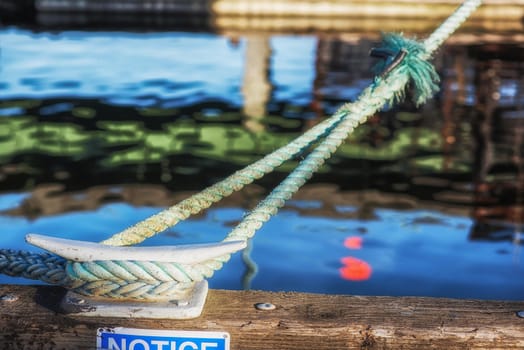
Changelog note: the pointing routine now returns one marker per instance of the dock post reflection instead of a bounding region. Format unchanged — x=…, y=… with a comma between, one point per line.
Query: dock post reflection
x=251, y=266
x=256, y=87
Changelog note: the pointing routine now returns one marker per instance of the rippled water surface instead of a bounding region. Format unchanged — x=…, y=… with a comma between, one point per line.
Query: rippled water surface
x=99, y=130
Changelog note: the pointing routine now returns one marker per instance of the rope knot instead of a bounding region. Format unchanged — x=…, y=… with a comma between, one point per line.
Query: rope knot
x=402, y=56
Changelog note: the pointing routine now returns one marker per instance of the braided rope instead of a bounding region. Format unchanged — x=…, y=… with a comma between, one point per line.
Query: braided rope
x=235, y=182
x=450, y=25
x=115, y=279
x=141, y=280
x=156, y=281
x=45, y=267
x=370, y=101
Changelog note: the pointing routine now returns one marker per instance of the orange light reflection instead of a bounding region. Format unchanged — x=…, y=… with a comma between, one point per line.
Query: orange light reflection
x=355, y=269
x=353, y=242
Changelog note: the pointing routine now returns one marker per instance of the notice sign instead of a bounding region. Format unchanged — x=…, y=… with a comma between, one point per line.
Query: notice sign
x=120, y=338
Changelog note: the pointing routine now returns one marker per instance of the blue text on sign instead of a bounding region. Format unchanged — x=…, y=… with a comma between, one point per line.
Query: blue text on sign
x=138, y=339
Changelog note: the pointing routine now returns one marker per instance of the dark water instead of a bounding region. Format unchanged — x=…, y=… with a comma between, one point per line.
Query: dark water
x=99, y=130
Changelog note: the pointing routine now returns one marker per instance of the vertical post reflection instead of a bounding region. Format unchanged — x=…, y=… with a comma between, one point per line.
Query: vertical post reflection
x=256, y=87
x=251, y=266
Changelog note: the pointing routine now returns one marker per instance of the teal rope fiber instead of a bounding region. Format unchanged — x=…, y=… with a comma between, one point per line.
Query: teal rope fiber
x=422, y=75
x=146, y=280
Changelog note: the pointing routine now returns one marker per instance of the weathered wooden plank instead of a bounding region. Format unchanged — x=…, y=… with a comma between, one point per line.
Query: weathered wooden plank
x=299, y=321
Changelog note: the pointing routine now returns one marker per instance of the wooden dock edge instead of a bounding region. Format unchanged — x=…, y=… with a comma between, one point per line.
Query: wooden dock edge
x=29, y=320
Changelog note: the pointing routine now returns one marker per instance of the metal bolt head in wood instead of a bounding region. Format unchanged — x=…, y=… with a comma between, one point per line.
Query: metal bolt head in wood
x=265, y=306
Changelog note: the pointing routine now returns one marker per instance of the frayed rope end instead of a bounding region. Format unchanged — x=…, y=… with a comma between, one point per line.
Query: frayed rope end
x=407, y=56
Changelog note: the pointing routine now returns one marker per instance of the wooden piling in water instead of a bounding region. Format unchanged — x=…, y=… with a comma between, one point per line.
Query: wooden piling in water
x=29, y=320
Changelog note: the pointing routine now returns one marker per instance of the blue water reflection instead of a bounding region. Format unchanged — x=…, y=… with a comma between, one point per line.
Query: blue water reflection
x=145, y=69
x=167, y=113
x=124, y=68
x=409, y=254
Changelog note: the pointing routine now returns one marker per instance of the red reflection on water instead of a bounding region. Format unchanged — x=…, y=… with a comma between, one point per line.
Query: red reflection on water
x=353, y=242
x=355, y=269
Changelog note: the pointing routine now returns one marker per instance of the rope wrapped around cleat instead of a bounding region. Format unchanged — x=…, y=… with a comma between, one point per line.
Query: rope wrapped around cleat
x=146, y=280
x=114, y=279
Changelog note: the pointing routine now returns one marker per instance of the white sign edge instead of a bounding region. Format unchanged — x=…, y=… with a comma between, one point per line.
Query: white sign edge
x=163, y=333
